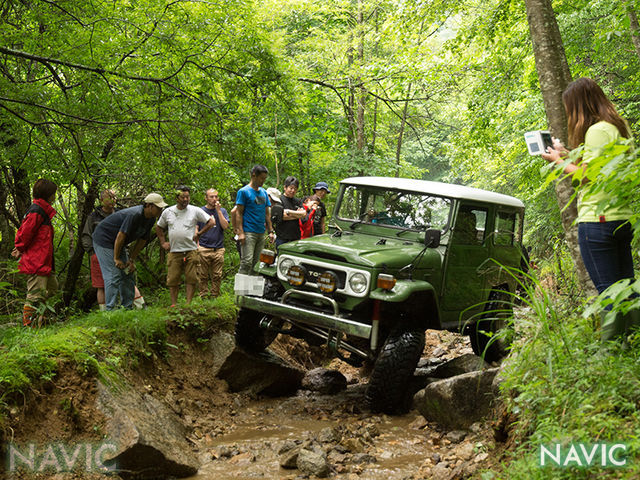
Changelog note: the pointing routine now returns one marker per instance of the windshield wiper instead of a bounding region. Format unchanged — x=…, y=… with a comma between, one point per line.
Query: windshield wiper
x=404, y=230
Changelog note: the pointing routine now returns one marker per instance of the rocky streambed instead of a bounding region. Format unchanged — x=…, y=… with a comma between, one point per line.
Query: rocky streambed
x=214, y=412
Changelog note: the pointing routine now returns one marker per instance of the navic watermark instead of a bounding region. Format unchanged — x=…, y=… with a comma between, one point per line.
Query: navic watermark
x=583, y=455
x=58, y=457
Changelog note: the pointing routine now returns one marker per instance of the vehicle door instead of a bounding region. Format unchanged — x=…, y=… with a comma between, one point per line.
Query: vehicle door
x=467, y=253
x=505, y=241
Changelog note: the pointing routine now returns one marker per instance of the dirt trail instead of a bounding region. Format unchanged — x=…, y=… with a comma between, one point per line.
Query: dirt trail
x=357, y=443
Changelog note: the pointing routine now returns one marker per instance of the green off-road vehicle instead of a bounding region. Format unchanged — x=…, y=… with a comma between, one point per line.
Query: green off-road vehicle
x=401, y=256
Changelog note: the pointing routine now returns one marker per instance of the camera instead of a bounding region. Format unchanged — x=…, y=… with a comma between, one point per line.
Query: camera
x=538, y=141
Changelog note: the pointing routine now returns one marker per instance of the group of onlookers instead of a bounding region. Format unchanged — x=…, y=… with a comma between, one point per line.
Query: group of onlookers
x=194, y=241
x=282, y=215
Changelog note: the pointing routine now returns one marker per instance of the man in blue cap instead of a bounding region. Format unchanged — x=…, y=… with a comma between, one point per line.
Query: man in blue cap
x=321, y=190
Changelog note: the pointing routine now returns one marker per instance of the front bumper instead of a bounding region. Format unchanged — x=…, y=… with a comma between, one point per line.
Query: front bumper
x=301, y=315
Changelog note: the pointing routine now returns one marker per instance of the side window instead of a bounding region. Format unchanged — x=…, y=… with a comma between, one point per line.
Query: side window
x=470, y=226
x=505, y=228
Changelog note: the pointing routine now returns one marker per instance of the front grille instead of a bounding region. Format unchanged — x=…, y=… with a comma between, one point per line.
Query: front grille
x=314, y=271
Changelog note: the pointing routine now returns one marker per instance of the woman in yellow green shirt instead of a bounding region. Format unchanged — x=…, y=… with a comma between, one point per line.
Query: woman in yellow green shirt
x=604, y=233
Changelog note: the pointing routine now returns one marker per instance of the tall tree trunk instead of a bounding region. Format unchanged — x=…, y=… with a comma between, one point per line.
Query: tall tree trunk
x=554, y=75
x=7, y=234
x=362, y=91
x=374, y=122
x=403, y=122
x=275, y=149
x=77, y=256
x=633, y=26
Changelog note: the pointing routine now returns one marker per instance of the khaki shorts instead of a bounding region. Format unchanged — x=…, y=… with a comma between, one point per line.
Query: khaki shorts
x=40, y=287
x=178, y=262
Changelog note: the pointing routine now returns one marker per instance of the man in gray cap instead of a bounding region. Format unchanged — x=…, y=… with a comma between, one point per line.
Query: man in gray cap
x=110, y=239
x=321, y=190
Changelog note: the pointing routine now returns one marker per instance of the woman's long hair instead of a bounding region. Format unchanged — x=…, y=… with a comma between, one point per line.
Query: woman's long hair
x=586, y=104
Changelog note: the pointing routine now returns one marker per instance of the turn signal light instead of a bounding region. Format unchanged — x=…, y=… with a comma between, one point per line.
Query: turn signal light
x=297, y=275
x=386, y=282
x=328, y=282
x=268, y=257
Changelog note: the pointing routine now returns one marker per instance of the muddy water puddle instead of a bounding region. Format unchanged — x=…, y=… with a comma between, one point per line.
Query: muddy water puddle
x=356, y=443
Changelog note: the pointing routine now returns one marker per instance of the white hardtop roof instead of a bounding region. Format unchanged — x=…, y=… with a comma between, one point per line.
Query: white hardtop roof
x=435, y=188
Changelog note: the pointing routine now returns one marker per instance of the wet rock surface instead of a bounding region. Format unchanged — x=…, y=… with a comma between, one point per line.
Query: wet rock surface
x=263, y=373
x=324, y=380
x=459, y=401
x=150, y=439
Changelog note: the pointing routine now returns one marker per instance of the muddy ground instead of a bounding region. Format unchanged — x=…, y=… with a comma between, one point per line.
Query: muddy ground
x=237, y=436
x=253, y=440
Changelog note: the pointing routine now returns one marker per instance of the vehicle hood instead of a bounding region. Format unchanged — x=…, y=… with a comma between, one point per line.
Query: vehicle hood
x=359, y=249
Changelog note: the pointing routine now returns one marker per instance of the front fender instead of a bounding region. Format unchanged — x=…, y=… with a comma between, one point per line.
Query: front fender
x=266, y=270
x=402, y=290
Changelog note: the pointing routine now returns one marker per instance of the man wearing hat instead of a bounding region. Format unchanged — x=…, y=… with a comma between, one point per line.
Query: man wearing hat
x=110, y=239
x=320, y=190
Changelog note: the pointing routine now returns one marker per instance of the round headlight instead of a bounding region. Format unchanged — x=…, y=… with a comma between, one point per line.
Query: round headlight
x=358, y=282
x=297, y=275
x=328, y=282
x=284, y=265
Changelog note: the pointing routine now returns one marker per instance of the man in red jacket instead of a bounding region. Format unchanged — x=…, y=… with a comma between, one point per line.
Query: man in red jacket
x=34, y=247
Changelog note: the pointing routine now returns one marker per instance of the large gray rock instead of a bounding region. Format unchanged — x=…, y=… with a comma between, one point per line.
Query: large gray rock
x=220, y=347
x=456, y=366
x=313, y=462
x=459, y=401
x=149, y=438
x=264, y=373
x=424, y=375
x=325, y=381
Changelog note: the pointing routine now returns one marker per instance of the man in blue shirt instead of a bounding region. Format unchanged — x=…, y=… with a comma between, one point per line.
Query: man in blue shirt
x=253, y=212
x=211, y=246
x=110, y=239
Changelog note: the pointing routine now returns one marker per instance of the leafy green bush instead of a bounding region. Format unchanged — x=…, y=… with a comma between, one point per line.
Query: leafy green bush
x=565, y=386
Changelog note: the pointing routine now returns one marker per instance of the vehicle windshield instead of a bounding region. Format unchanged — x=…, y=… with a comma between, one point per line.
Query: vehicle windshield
x=405, y=210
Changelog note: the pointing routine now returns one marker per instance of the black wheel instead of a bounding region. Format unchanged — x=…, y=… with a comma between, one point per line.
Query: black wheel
x=486, y=342
x=389, y=384
x=249, y=335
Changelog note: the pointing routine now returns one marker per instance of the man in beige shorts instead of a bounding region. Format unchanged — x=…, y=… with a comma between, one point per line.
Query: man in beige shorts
x=181, y=221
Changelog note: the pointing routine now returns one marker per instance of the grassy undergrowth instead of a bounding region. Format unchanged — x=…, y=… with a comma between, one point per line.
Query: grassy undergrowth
x=101, y=343
x=565, y=386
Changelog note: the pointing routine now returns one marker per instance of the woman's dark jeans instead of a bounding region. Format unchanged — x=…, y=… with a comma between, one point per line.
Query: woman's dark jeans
x=606, y=251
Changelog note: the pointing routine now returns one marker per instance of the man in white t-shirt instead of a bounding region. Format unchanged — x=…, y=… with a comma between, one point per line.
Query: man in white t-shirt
x=181, y=220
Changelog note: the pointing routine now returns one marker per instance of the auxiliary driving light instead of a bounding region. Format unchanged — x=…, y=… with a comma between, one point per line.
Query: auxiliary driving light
x=297, y=275
x=328, y=282
x=268, y=257
x=385, y=281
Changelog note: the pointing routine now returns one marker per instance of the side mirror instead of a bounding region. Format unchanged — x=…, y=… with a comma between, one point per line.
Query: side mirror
x=432, y=238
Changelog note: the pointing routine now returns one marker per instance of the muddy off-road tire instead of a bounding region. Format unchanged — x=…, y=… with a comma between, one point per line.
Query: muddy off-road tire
x=388, y=389
x=482, y=334
x=249, y=335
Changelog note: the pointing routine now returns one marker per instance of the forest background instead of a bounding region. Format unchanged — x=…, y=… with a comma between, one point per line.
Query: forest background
x=141, y=96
